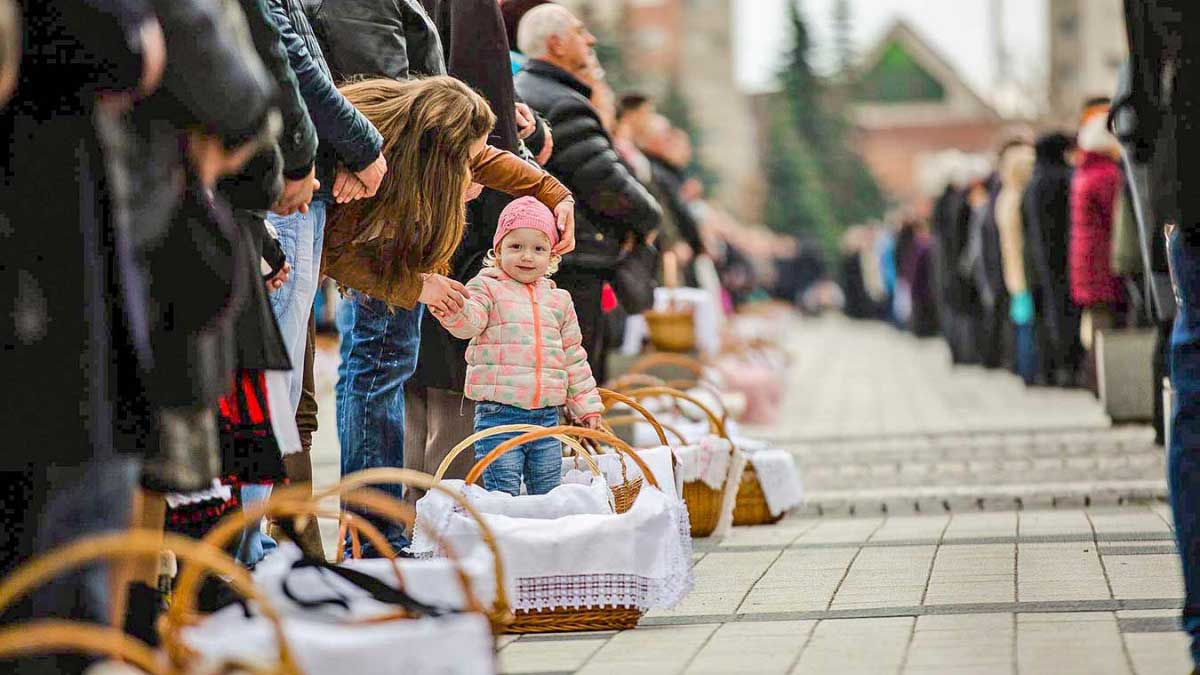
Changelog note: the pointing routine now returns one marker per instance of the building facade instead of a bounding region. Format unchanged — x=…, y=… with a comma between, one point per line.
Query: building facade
x=1087, y=46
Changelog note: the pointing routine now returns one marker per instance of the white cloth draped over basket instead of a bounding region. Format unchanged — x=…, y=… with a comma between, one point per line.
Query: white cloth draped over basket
x=777, y=474
x=332, y=639
x=640, y=558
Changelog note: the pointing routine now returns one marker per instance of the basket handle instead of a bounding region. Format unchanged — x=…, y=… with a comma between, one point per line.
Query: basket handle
x=684, y=385
x=624, y=420
x=580, y=432
x=611, y=398
x=508, y=429
x=715, y=422
x=384, y=475
x=292, y=502
x=667, y=359
x=133, y=543
x=635, y=380
x=57, y=636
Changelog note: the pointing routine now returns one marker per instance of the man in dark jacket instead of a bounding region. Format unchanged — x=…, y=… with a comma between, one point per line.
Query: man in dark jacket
x=613, y=207
x=1045, y=214
x=379, y=38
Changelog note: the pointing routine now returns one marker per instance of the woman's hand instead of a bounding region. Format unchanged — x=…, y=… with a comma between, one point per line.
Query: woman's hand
x=564, y=214
x=443, y=295
x=473, y=191
x=591, y=422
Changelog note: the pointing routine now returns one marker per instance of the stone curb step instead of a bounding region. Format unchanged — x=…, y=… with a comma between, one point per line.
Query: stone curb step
x=999, y=497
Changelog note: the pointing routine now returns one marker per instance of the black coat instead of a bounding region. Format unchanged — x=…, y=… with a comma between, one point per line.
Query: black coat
x=1046, y=215
x=472, y=33
x=65, y=316
x=377, y=38
x=669, y=181
x=610, y=202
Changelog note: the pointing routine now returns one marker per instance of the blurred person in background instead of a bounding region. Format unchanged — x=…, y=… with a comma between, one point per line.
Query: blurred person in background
x=1095, y=186
x=1046, y=219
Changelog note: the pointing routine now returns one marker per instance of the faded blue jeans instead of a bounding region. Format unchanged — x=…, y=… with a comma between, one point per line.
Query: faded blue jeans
x=1183, y=454
x=539, y=462
x=379, y=354
x=301, y=235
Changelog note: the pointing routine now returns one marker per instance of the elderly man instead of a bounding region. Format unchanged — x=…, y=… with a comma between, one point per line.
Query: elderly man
x=613, y=207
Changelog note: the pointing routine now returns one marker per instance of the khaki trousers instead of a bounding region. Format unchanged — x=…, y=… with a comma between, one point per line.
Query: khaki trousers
x=435, y=420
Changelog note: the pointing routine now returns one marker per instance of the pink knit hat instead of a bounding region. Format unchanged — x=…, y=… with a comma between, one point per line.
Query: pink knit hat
x=526, y=212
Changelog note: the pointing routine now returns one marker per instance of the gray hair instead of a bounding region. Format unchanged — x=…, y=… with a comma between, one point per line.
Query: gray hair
x=538, y=25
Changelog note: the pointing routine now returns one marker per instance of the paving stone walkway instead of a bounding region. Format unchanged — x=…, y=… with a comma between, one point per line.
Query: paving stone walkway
x=957, y=522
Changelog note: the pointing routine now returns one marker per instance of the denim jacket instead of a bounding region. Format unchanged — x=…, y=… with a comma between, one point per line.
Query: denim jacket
x=344, y=134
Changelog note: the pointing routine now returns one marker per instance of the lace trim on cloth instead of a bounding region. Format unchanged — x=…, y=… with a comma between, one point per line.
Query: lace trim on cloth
x=593, y=590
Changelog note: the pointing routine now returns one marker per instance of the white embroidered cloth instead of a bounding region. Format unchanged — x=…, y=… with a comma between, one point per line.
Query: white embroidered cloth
x=450, y=645
x=707, y=461
x=780, y=482
x=217, y=491
x=641, y=558
x=658, y=459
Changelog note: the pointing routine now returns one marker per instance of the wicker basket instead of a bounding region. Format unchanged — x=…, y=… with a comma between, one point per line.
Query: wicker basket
x=751, y=506
x=61, y=636
x=625, y=494
x=575, y=620
x=500, y=613
x=703, y=502
x=672, y=330
x=564, y=620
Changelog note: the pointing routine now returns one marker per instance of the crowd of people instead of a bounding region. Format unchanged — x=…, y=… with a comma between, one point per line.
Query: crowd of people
x=1024, y=258
x=184, y=176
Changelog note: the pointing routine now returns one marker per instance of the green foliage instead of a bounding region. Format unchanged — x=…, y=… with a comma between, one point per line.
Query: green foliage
x=797, y=202
x=897, y=78
x=818, y=184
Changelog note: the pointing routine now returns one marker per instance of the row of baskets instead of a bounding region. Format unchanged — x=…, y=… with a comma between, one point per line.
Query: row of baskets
x=596, y=556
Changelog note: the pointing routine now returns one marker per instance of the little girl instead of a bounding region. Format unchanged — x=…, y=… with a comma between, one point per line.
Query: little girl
x=526, y=357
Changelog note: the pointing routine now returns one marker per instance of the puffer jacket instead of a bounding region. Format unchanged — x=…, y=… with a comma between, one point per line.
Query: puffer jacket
x=1094, y=189
x=526, y=349
x=611, y=202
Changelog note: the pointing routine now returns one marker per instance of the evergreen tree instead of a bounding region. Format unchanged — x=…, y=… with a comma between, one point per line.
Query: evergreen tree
x=819, y=117
x=842, y=40
x=797, y=202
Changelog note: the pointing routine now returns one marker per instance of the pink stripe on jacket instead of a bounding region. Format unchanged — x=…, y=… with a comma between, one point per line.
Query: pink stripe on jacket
x=526, y=349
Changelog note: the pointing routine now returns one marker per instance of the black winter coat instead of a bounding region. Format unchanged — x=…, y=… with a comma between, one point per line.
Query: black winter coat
x=669, y=181
x=1046, y=215
x=472, y=33
x=611, y=203
x=377, y=38
x=344, y=134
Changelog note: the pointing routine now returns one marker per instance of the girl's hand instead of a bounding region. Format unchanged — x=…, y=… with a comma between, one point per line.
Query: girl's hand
x=443, y=294
x=564, y=214
x=276, y=282
x=591, y=422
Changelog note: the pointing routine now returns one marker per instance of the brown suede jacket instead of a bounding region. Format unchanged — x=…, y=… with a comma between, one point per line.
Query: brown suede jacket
x=359, y=267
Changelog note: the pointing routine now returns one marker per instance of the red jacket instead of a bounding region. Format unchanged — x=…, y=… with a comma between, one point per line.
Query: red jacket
x=1094, y=189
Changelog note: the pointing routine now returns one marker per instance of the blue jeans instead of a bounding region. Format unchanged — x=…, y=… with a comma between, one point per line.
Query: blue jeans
x=301, y=235
x=1183, y=454
x=379, y=354
x=540, y=462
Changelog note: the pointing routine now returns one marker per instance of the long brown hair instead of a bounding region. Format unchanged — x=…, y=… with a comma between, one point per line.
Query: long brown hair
x=428, y=126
